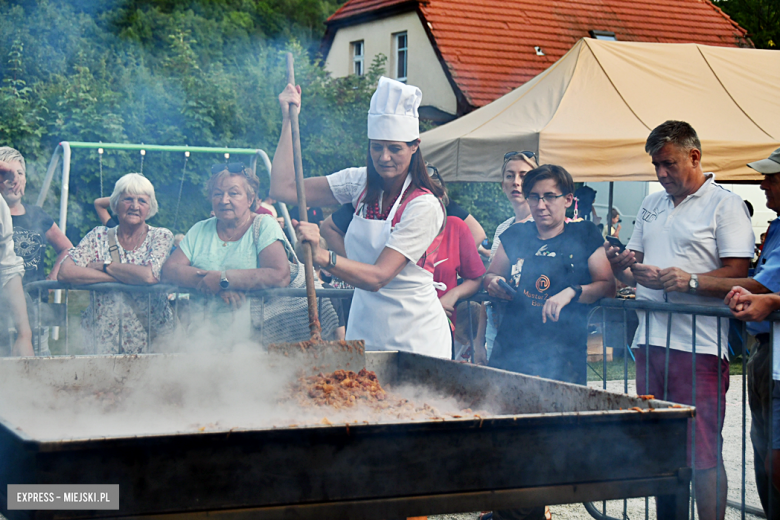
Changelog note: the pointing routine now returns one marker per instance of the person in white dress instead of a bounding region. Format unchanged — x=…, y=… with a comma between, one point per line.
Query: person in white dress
x=392, y=240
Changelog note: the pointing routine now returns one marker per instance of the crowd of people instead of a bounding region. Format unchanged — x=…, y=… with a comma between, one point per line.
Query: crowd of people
x=412, y=254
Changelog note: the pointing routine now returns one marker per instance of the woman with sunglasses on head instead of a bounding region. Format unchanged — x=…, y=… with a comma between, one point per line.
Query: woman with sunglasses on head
x=237, y=251
x=549, y=271
x=391, y=240
x=228, y=254
x=516, y=165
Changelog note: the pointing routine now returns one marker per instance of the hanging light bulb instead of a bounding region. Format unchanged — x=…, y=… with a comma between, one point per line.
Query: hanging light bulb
x=186, y=154
x=100, y=151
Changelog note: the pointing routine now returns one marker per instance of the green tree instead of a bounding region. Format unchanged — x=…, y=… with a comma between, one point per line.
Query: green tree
x=761, y=19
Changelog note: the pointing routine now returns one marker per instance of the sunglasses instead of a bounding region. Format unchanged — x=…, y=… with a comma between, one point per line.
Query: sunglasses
x=432, y=170
x=526, y=154
x=235, y=167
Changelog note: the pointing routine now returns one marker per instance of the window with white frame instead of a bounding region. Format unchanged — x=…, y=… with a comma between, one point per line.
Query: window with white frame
x=357, y=58
x=603, y=35
x=401, y=55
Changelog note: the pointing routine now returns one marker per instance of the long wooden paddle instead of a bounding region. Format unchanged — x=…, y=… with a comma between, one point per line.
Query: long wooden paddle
x=329, y=355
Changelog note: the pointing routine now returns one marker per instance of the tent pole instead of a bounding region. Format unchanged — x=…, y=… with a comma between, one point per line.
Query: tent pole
x=608, y=217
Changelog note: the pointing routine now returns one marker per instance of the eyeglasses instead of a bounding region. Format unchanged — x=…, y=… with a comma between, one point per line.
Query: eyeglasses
x=548, y=198
x=235, y=167
x=526, y=154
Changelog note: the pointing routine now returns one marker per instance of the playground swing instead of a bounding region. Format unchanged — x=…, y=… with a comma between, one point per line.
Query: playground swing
x=143, y=154
x=64, y=149
x=100, y=152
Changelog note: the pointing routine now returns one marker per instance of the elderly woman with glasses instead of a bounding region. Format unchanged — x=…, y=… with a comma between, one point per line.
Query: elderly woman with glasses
x=131, y=253
x=228, y=254
x=550, y=272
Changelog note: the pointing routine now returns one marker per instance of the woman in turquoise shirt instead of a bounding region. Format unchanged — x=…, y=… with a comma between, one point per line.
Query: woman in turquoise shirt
x=220, y=256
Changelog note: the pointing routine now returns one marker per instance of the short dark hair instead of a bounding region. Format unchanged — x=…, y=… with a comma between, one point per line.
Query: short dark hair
x=548, y=171
x=679, y=133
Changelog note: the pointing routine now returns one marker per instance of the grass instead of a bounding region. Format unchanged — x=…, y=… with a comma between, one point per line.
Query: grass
x=616, y=370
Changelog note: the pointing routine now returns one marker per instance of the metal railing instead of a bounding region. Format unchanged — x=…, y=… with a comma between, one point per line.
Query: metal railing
x=607, y=307
x=670, y=310
x=61, y=310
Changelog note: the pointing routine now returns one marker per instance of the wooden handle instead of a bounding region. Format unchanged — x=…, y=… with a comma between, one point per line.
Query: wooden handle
x=308, y=262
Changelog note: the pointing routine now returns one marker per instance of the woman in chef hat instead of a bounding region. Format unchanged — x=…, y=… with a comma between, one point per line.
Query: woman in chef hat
x=392, y=241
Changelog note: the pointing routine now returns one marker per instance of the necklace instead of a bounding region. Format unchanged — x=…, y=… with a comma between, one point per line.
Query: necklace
x=373, y=212
x=136, y=242
x=232, y=236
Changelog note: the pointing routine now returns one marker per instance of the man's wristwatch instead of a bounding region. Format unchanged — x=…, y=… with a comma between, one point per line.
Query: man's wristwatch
x=105, y=265
x=332, y=261
x=693, y=284
x=577, y=292
x=223, y=281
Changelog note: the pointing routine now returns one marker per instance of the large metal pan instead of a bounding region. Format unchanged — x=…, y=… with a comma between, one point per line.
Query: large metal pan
x=545, y=443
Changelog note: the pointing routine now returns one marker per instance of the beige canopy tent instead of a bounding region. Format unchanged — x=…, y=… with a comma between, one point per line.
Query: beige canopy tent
x=592, y=110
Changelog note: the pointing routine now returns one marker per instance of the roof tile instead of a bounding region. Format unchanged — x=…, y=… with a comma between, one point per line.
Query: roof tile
x=488, y=46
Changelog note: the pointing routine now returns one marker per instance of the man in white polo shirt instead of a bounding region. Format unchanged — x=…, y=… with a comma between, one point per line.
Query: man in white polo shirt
x=694, y=227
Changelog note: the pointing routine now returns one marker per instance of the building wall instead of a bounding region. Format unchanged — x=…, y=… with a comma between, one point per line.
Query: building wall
x=423, y=67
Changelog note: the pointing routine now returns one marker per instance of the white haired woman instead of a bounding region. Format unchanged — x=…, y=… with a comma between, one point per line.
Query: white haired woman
x=118, y=322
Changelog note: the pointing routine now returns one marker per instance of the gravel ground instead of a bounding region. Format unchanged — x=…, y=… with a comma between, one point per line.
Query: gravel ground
x=732, y=456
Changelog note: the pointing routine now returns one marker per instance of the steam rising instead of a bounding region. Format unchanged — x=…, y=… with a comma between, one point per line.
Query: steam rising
x=119, y=396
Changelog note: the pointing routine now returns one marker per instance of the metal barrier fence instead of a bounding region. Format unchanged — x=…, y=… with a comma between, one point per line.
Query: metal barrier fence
x=608, y=307
x=57, y=315
x=603, y=309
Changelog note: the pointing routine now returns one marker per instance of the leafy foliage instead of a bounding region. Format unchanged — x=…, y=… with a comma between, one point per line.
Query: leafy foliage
x=198, y=73
x=761, y=19
x=203, y=73
x=485, y=201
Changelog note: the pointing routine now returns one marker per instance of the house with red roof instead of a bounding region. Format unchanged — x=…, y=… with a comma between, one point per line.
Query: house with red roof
x=464, y=54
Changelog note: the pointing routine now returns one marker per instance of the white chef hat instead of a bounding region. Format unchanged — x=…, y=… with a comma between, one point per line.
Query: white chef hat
x=393, y=113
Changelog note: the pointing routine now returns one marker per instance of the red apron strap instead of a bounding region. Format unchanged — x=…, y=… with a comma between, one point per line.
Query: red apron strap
x=429, y=257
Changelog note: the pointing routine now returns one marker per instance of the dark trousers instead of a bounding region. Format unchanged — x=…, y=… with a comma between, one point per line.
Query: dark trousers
x=759, y=371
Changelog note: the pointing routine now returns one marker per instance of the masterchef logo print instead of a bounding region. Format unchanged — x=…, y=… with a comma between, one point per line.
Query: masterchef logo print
x=537, y=300
x=542, y=283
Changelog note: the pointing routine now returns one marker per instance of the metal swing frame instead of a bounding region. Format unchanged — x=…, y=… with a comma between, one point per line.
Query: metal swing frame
x=64, y=150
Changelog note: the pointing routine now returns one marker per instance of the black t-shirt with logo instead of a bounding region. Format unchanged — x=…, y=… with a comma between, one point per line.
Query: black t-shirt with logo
x=541, y=269
x=30, y=241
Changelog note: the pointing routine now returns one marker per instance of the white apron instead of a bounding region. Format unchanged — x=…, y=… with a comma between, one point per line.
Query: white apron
x=406, y=313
